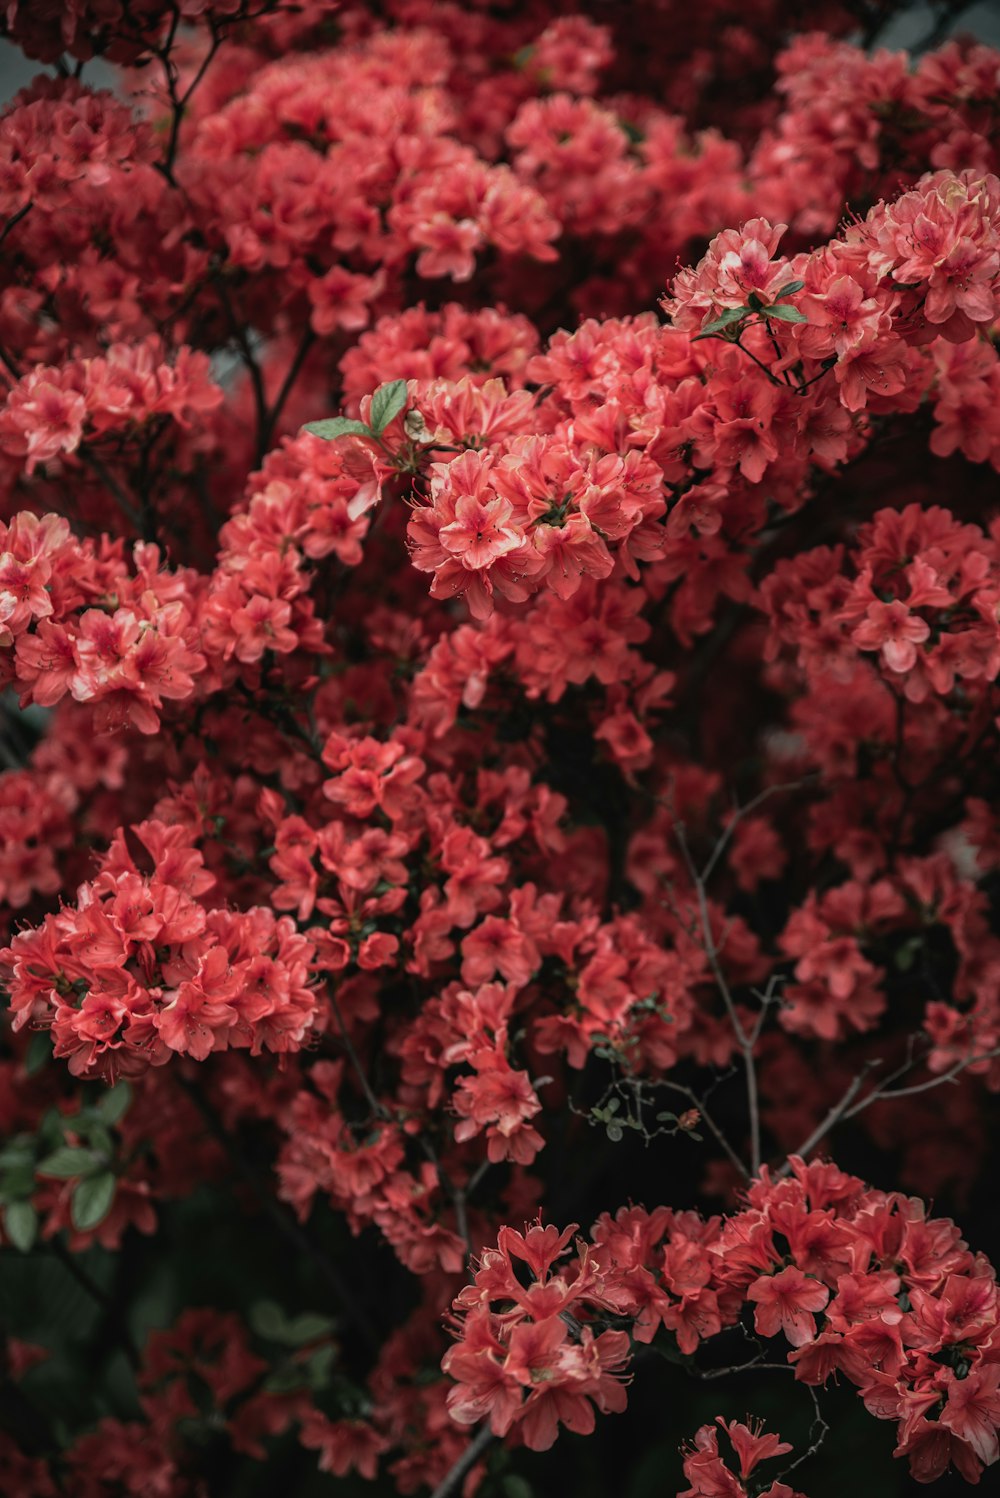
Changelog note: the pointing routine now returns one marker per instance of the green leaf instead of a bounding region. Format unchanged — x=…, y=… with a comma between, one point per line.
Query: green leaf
x=269, y=1321
x=38, y=1054
x=17, y=1181
x=98, y=1138
x=113, y=1104
x=20, y=1223
x=514, y=1486
x=287, y=1379
x=790, y=289
x=785, y=314
x=728, y=318
x=18, y=1153
x=908, y=953
x=387, y=402
x=308, y=1327
x=66, y=1163
x=92, y=1200
x=337, y=426
x=319, y=1366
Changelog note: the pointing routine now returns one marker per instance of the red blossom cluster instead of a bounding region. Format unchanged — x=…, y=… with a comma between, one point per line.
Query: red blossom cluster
x=853, y=1280
x=499, y=641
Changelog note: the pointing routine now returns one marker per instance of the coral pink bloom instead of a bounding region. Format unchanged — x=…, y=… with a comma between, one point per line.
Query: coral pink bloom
x=707, y=1472
x=752, y=1445
x=41, y=420
x=46, y=663
x=262, y=624
x=785, y=1302
x=533, y=1348
x=973, y=1410
x=485, y=1387
x=840, y=317
x=479, y=534
x=891, y=628
x=538, y=1246
x=498, y=946
x=344, y=1445
x=876, y=365
x=501, y=1100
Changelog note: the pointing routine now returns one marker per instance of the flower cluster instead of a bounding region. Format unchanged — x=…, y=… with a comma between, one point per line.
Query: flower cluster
x=710, y=1476
x=843, y=1278
x=140, y=969
x=50, y=411
x=499, y=658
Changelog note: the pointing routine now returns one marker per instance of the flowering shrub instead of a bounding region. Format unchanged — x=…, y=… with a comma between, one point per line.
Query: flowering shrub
x=499, y=641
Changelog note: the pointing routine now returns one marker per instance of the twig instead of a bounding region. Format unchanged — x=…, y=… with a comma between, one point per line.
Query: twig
x=835, y=1114
x=744, y=811
x=13, y=221
x=948, y=14
x=114, y=488
x=465, y=1462
x=710, y=1124
x=379, y=1110
x=180, y=102
x=274, y=414
x=847, y=1108
x=109, y=1305
x=247, y=355
x=759, y=363
x=767, y=998
x=818, y=1432
x=880, y=1096
x=755, y=1365
x=744, y=1040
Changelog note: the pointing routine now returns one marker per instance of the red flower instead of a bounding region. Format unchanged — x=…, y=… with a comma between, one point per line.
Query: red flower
x=785, y=1302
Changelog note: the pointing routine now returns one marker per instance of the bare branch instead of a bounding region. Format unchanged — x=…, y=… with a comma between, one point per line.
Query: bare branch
x=744, y=1040
x=470, y=1456
x=848, y=1108
x=744, y=811
x=881, y=1096
x=835, y=1114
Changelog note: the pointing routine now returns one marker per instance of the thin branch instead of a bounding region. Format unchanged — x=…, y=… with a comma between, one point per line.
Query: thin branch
x=711, y=950
x=835, y=1114
x=818, y=1432
x=239, y=335
x=114, y=488
x=179, y=102
x=755, y=1366
x=470, y=1456
x=759, y=363
x=111, y=1307
x=880, y=1096
x=744, y=1040
x=947, y=16
x=767, y=998
x=710, y=1124
x=379, y=1110
x=273, y=416
x=847, y=1107
x=744, y=811
x=13, y=221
